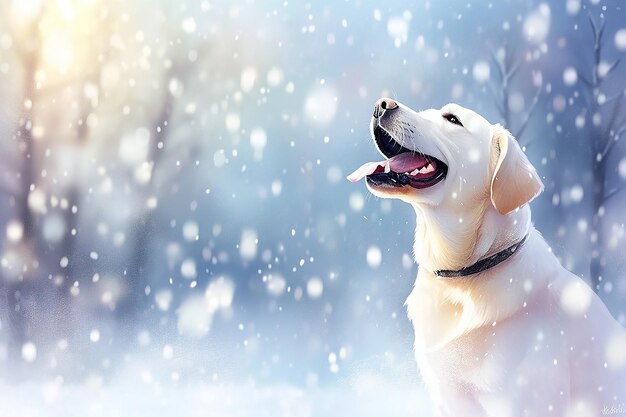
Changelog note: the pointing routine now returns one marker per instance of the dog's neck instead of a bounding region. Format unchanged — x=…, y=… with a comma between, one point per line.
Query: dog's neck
x=453, y=239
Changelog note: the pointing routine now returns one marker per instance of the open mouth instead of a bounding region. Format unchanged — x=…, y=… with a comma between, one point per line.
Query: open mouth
x=404, y=167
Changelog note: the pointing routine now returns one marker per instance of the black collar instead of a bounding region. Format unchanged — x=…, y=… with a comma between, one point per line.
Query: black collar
x=483, y=264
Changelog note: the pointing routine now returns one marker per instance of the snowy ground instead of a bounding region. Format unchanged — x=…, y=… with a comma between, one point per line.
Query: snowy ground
x=366, y=395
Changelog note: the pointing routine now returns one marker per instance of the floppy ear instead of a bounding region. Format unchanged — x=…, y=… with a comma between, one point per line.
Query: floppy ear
x=515, y=181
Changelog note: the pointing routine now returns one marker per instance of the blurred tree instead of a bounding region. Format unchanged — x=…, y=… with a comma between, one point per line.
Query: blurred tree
x=58, y=50
x=23, y=287
x=607, y=126
x=507, y=66
x=168, y=114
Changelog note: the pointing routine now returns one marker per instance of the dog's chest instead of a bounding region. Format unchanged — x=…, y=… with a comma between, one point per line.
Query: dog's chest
x=500, y=356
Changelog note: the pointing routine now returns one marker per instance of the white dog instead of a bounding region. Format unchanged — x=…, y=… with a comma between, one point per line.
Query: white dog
x=501, y=328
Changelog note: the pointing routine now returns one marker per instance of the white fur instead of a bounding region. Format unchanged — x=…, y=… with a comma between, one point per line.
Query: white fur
x=524, y=338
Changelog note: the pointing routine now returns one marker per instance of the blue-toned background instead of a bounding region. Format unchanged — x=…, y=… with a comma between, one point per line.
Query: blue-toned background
x=177, y=232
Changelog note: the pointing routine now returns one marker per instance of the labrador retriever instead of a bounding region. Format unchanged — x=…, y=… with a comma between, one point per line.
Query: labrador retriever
x=501, y=328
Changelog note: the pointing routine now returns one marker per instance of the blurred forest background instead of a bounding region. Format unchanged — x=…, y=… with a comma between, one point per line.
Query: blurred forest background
x=173, y=207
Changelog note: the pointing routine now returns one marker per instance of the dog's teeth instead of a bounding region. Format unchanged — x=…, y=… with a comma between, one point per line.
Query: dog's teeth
x=387, y=167
x=429, y=169
x=414, y=172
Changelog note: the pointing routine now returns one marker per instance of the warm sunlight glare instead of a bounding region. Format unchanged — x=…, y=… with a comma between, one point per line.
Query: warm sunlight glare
x=27, y=8
x=57, y=53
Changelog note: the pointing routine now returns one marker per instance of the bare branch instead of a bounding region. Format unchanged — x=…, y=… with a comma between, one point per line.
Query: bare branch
x=597, y=48
x=531, y=110
x=609, y=146
x=612, y=67
x=598, y=32
x=585, y=80
x=514, y=68
x=499, y=64
x=593, y=26
x=601, y=30
x=612, y=142
x=612, y=192
x=615, y=97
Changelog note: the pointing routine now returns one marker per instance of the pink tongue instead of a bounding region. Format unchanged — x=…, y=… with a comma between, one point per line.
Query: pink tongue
x=365, y=169
x=405, y=162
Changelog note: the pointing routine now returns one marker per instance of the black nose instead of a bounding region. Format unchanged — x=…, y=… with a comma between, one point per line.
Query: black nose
x=384, y=104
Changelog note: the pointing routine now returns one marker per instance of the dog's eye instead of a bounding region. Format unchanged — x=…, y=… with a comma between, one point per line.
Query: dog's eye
x=452, y=119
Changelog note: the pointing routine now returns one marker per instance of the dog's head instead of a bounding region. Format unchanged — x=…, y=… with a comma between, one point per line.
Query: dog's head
x=451, y=156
